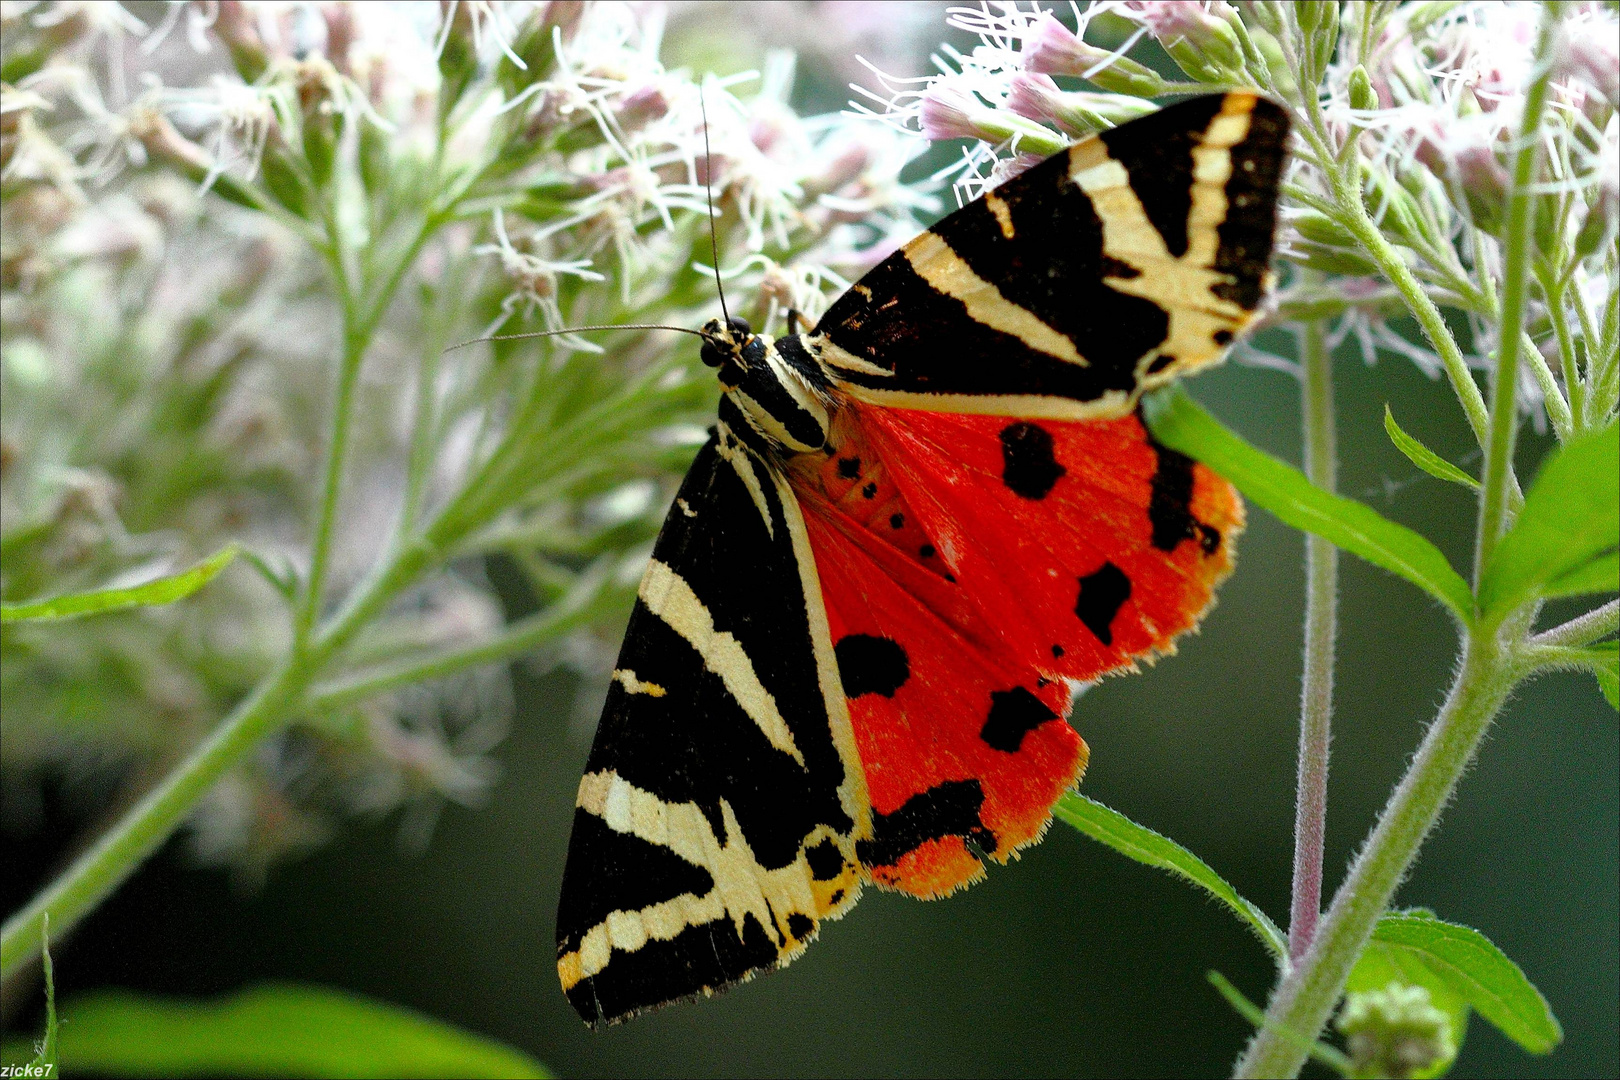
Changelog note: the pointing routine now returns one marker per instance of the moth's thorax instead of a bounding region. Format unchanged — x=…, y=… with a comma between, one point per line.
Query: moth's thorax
x=777, y=384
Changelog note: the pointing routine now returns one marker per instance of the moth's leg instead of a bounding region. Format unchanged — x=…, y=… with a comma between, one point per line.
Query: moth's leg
x=796, y=321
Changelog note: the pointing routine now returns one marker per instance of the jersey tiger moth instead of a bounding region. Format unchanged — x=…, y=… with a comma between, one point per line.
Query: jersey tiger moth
x=911, y=529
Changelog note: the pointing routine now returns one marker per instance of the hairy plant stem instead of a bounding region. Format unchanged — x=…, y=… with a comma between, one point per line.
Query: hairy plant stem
x=1306, y=996
x=1516, y=256
x=1347, y=187
x=1321, y=625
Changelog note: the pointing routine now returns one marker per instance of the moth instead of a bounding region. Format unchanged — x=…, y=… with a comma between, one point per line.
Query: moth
x=912, y=529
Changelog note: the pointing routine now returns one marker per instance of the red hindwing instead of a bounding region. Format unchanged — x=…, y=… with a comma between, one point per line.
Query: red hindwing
x=971, y=567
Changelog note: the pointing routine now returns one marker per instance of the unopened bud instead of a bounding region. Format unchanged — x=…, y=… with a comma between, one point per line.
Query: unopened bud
x=238, y=28
x=641, y=107
x=536, y=43
x=1053, y=49
x=1319, y=25
x=340, y=34
x=1198, y=39
x=1484, y=183
x=1590, y=58
x=1362, y=95
x=458, y=54
x=318, y=85
x=950, y=112
x=1602, y=212
x=1396, y=1032
x=1037, y=97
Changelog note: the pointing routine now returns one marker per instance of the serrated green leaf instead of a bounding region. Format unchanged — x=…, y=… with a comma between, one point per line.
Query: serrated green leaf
x=1570, y=520
x=1424, y=458
x=274, y=1030
x=1472, y=968
x=1180, y=423
x=158, y=591
x=1110, y=827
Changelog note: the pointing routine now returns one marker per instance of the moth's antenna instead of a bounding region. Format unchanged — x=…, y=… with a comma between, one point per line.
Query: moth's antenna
x=578, y=329
x=708, y=190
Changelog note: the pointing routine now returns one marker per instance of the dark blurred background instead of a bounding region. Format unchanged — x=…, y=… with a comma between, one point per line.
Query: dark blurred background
x=1072, y=961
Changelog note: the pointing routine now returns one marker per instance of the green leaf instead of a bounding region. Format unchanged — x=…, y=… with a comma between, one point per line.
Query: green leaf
x=1570, y=521
x=1601, y=575
x=1180, y=423
x=163, y=590
x=1424, y=458
x=1609, y=683
x=274, y=1030
x=1462, y=963
x=1141, y=843
x=1330, y=1056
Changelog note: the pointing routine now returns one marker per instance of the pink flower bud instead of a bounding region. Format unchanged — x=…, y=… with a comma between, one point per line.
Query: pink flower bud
x=1591, y=58
x=1053, y=49
x=642, y=106
x=1172, y=18
x=1034, y=96
x=949, y=112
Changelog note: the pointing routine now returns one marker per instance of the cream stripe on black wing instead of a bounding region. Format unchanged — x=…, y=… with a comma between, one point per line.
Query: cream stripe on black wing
x=1133, y=256
x=717, y=821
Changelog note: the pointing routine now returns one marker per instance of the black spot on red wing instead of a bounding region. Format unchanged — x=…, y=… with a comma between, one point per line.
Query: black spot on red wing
x=825, y=860
x=1209, y=538
x=950, y=808
x=1057, y=651
x=1170, y=498
x=849, y=468
x=951, y=578
x=1102, y=593
x=1029, y=466
x=1013, y=714
x=926, y=551
x=869, y=491
x=800, y=925
x=897, y=521
x=871, y=665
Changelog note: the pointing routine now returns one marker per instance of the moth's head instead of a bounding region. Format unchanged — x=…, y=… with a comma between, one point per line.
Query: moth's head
x=724, y=340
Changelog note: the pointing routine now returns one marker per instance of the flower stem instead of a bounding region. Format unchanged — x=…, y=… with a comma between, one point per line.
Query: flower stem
x=1306, y=996
x=1418, y=302
x=354, y=350
x=1600, y=622
x=1516, y=256
x=1321, y=624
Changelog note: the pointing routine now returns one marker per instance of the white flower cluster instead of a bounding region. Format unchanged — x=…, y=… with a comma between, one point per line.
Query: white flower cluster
x=200, y=215
x=1424, y=101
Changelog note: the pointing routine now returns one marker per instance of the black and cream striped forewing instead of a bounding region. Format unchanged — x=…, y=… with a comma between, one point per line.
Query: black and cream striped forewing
x=1107, y=269
x=717, y=820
